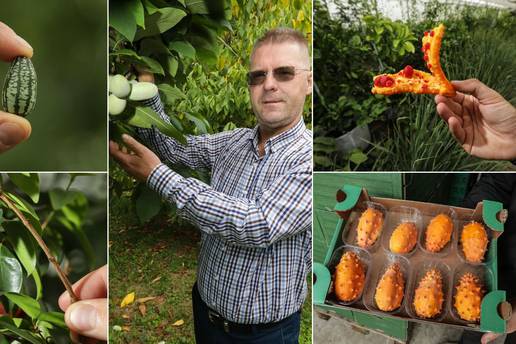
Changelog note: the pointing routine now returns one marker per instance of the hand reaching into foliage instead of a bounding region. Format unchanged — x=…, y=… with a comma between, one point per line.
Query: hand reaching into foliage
x=481, y=120
x=138, y=161
x=88, y=317
x=13, y=129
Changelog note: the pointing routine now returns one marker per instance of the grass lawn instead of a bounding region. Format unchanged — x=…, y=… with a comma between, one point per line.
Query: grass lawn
x=158, y=259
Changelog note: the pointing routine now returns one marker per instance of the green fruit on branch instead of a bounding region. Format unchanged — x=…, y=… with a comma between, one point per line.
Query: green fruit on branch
x=19, y=92
x=116, y=105
x=142, y=91
x=119, y=86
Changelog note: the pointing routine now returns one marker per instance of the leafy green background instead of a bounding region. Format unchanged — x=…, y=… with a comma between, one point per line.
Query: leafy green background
x=69, y=126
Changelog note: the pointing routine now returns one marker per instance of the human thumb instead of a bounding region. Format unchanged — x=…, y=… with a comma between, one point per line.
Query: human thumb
x=489, y=336
x=88, y=318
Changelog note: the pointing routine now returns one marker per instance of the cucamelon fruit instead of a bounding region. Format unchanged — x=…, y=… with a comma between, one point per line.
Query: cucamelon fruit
x=119, y=86
x=116, y=105
x=143, y=91
x=19, y=92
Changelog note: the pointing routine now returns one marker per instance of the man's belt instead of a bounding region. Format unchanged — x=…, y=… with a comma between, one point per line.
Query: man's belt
x=232, y=327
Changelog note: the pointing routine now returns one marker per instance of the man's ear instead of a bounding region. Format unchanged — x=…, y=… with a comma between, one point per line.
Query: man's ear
x=309, y=81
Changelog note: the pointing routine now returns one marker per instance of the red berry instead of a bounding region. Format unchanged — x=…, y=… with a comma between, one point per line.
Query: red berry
x=427, y=46
x=432, y=33
x=429, y=66
x=389, y=82
x=425, y=57
x=426, y=33
x=408, y=71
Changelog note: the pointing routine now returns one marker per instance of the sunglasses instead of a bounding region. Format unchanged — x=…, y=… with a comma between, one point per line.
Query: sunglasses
x=281, y=74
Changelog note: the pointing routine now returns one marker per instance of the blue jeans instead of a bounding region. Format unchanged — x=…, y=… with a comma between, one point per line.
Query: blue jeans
x=287, y=332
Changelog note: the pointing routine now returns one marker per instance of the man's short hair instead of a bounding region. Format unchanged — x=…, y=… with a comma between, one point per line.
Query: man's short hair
x=281, y=35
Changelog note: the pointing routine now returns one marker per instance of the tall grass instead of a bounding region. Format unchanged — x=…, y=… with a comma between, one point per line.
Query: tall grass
x=419, y=139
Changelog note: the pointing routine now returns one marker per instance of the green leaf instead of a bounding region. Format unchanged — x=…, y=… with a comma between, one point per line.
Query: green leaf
x=37, y=282
x=171, y=93
x=152, y=65
x=121, y=17
x=126, y=52
x=23, y=244
x=56, y=318
x=11, y=273
x=23, y=206
x=59, y=197
x=27, y=183
x=26, y=303
x=200, y=123
x=322, y=161
x=6, y=323
x=358, y=157
x=161, y=21
x=172, y=65
x=148, y=204
x=409, y=47
x=139, y=14
x=183, y=47
x=145, y=117
x=196, y=6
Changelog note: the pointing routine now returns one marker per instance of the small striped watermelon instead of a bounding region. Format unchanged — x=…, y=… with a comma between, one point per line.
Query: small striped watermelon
x=19, y=93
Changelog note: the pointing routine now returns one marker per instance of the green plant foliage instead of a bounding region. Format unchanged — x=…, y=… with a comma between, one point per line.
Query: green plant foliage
x=63, y=217
x=357, y=43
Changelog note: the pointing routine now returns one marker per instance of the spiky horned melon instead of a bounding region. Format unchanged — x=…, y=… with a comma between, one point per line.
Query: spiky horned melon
x=390, y=290
x=468, y=297
x=474, y=242
x=438, y=233
x=403, y=238
x=369, y=227
x=349, y=277
x=428, y=297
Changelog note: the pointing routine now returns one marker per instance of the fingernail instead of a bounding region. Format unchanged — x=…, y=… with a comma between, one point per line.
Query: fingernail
x=83, y=317
x=11, y=133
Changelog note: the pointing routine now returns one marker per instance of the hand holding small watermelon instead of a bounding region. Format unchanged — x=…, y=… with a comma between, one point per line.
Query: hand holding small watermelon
x=13, y=129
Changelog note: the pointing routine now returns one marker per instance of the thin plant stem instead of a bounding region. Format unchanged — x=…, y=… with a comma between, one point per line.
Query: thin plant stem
x=43, y=246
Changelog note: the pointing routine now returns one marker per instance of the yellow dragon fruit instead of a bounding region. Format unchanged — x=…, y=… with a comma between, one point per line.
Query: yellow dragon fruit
x=474, y=242
x=428, y=298
x=403, y=238
x=468, y=297
x=438, y=233
x=349, y=277
x=390, y=290
x=369, y=227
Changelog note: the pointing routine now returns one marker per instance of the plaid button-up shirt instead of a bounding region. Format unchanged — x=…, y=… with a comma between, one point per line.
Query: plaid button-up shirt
x=255, y=217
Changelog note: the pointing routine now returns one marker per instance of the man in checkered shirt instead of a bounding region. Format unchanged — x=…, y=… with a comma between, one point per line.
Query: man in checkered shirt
x=255, y=217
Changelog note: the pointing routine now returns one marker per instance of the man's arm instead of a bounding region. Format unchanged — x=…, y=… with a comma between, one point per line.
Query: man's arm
x=199, y=152
x=282, y=210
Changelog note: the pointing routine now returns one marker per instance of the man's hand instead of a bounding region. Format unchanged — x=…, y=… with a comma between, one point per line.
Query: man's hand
x=481, y=120
x=13, y=129
x=511, y=327
x=89, y=316
x=138, y=161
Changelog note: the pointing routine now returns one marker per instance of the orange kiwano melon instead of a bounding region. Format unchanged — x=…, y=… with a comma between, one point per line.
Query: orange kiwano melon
x=369, y=227
x=349, y=277
x=468, y=297
x=474, y=242
x=390, y=290
x=403, y=238
x=438, y=233
x=428, y=297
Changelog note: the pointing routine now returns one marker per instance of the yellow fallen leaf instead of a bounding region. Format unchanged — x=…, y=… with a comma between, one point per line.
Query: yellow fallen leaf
x=156, y=279
x=178, y=323
x=145, y=299
x=143, y=309
x=128, y=299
